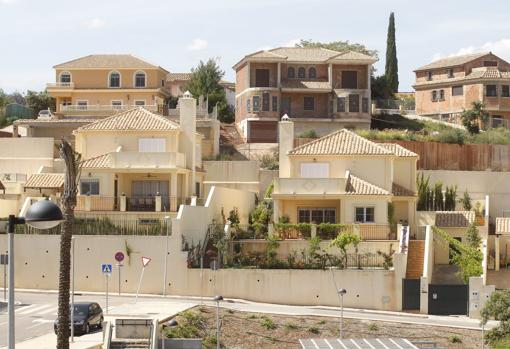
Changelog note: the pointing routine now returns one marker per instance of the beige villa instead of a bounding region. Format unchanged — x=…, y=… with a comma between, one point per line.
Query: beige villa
x=319, y=89
x=343, y=178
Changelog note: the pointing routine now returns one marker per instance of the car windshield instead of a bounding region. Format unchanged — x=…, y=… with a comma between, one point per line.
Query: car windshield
x=80, y=309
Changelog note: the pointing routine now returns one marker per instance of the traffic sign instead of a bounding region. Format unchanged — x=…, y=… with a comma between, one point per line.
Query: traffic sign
x=106, y=268
x=119, y=256
x=145, y=261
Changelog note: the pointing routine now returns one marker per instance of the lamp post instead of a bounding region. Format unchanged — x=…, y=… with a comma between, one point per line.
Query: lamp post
x=172, y=323
x=342, y=292
x=43, y=214
x=218, y=299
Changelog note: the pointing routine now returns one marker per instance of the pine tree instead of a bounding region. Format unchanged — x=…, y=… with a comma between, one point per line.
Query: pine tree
x=391, y=71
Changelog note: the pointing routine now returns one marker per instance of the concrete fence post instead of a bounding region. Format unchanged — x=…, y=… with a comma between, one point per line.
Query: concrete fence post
x=123, y=203
x=314, y=231
x=158, y=202
x=88, y=203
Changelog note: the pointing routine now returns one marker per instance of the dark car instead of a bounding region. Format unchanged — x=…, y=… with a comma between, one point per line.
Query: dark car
x=87, y=315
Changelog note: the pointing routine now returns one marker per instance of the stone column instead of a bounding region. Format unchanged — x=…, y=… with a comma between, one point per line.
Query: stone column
x=123, y=203
x=158, y=202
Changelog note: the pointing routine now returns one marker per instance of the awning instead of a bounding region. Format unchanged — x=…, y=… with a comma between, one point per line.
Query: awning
x=45, y=181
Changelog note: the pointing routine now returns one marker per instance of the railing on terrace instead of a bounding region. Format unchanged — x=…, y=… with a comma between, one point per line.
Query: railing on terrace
x=131, y=204
x=330, y=231
x=60, y=85
x=97, y=107
x=97, y=203
x=106, y=225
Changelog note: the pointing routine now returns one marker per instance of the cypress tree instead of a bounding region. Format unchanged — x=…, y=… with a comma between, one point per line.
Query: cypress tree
x=391, y=71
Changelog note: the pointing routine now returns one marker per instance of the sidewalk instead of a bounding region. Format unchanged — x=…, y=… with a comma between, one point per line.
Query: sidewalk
x=49, y=341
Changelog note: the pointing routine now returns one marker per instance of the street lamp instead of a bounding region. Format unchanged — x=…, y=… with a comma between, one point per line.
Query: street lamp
x=218, y=299
x=342, y=292
x=171, y=323
x=43, y=214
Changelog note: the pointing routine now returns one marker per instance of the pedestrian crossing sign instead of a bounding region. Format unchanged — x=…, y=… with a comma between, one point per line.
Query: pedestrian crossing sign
x=106, y=268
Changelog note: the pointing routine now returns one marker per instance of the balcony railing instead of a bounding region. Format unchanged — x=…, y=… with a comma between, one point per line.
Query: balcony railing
x=134, y=159
x=101, y=108
x=89, y=203
x=309, y=186
x=365, y=231
x=68, y=85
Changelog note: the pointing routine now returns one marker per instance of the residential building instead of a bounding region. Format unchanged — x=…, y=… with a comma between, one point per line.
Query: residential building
x=344, y=178
x=138, y=160
x=318, y=89
x=446, y=87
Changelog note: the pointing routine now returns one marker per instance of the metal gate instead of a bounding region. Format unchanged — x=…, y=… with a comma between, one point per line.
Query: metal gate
x=448, y=299
x=411, y=294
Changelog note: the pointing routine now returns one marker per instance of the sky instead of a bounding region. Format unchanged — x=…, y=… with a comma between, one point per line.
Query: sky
x=35, y=35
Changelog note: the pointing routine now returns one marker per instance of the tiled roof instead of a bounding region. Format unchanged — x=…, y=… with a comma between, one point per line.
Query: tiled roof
x=109, y=61
x=306, y=84
x=454, y=219
x=45, y=180
x=398, y=190
x=341, y=142
x=101, y=161
x=452, y=61
x=178, y=76
x=358, y=186
x=502, y=225
x=483, y=73
x=398, y=150
x=136, y=119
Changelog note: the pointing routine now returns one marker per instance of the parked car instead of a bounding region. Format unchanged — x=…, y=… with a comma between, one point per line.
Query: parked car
x=45, y=113
x=87, y=315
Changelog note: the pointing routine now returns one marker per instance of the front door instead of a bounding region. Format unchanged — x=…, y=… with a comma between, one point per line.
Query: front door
x=286, y=106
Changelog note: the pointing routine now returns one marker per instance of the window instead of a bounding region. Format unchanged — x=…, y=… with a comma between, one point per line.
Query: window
x=312, y=73
x=491, y=91
x=256, y=103
x=429, y=75
x=317, y=215
x=349, y=79
x=365, y=215
x=89, y=186
x=275, y=103
x=82, y=105
x=261, y=77
x=114, y=80
x=441, y=95
x=314, y=170
x=117, y=104
x=151, y=145
x=301, y=73
x=434, y=96
x=65, y=78
x=505, y=91
x=162, y=82
x=309, y=103
x=265, y=101
x=497, y=121
x=291, y=73
x=490, y=63
x=457, y=90
x=340, y=104
x=353, y=103
x=450, y=73
x=140, y=79
x=140, y=103
x=248, y=106
x=364, y=105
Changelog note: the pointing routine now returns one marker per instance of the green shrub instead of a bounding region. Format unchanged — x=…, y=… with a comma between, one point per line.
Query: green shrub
x=268, y=324
x=454, y=339
x=314, y=330
x=373, y=328
x=291, y=326
x=452, y=136
x=308, y=134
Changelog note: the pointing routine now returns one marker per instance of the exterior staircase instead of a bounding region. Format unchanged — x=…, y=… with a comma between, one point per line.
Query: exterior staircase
x=129, y=343
x=415, y=256
x=229, y=134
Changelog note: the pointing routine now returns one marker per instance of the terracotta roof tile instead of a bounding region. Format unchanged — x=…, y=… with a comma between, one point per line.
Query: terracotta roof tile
x=399, y=190
x=136, y=119
x=341, y=142
x=109, y=61
x=502, y=225
x=101, y=161
x=454, y=219
x=178, y=76
x=398, y=150
x=452, y=61
x=358, y=186
x=306, y=84
x=45, y=180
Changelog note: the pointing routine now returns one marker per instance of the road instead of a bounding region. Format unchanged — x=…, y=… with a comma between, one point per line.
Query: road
x=35, y=312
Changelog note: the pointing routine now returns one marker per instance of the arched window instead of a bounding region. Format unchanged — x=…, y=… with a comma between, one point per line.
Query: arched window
x=312, y=73
x=301, y=73
x=140, y=79
x=291, y=73
x=65, y=77
x=114, y=79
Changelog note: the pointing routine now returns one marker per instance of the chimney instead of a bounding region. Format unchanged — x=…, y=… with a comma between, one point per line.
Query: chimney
x=187, y=138
x=286, y=144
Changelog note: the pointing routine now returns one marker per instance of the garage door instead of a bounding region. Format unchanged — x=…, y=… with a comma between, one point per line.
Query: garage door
x=263, y=132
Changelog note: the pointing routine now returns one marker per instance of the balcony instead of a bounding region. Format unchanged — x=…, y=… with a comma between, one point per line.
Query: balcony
x=147, y=160
x=309, y=186
x=60, y=85
x=123, y=203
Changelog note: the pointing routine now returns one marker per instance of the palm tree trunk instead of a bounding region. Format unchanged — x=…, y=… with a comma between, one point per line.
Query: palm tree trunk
x=72, y=174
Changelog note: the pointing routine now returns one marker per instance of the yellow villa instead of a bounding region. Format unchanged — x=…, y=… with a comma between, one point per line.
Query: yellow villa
x=344, y=178
x=140, y=161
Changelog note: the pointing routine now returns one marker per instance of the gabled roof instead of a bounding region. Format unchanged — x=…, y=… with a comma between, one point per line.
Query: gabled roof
x=101, y=161
x=358, y=186
x=502, y=225
x=178, y=76
x=45, y=181
x=454, y=219
x=398, y=150
x=107, y=61
x=136, y=119
x=341, y=142
x=452, y=61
